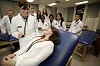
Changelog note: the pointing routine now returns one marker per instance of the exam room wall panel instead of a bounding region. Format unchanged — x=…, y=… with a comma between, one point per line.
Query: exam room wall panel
x=93, y=10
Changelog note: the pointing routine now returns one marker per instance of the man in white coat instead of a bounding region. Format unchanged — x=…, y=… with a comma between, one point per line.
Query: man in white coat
x=6, y=22
x=23, y=25
x=76, y=26
x=32, y=12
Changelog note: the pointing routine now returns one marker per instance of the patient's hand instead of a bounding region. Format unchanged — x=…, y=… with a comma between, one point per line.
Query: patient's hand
x=7, y=61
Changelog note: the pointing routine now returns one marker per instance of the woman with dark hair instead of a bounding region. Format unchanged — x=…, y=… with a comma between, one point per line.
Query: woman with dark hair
x=42, y=25
x=23, y=24
x=52, y=21
x=38, y=15
x=36, y=51
x=45, y=13
x=60, y=24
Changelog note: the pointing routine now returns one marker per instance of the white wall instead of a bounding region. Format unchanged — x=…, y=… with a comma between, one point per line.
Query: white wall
x=54, y=11
x=70, y=13
x=41, y=7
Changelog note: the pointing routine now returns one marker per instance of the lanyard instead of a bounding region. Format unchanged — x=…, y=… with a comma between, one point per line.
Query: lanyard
x=26, y=19
x=25, y=27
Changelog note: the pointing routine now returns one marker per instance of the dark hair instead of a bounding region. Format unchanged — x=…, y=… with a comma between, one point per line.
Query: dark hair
x=43, y=17
x=10, y=10
x=46, y=12
x=55, y=37
x=61, y=18
x=51, y=15
x=38, y=15
x=23, y=3
x=79, y=15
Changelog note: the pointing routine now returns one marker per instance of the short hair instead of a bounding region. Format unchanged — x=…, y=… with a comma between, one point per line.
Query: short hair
x=79, y=15
x=43, y=16
x=51, y=15
x=23, y=3
x=9, y=11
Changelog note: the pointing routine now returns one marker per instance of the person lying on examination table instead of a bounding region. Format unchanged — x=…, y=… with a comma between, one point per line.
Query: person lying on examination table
x=36, y=51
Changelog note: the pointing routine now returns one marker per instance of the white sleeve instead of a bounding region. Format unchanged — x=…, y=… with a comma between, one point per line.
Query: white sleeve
x=14, y=29
x=45, y=53
x=64, y=26
x=3, y=24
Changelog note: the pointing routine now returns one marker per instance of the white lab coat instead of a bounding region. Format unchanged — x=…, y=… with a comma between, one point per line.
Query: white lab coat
x=58, y=26
x=37, y=53
x=76, y=27
x=6, y=25
x=18, y=25
x=53, y=23
x=44, y=26
x=46, y=18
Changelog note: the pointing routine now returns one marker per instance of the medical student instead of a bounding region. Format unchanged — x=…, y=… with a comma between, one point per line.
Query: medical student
x=76, y=26
x=6, y=22
x=23, y=25
x=36, y=51
x=60, y=24
x=42, y=25
x=32, y=12
x=45, y=13
x=38, y=15
x=52, y=21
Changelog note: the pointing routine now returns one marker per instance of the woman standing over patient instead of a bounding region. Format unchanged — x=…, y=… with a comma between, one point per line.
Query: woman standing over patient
x=35, y=51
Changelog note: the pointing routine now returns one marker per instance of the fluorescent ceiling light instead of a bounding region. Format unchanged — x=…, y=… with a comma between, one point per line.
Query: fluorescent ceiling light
x=30, y=0
x=66, y=0
x=83, y=2
x=52, y=4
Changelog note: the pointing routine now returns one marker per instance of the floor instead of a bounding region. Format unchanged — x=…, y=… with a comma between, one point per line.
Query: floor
x=90, y=60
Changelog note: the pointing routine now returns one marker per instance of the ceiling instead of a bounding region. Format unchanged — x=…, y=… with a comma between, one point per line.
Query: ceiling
x=62, y=3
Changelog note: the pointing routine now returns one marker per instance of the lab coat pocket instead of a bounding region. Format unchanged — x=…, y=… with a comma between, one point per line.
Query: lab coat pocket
x=19, y=28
